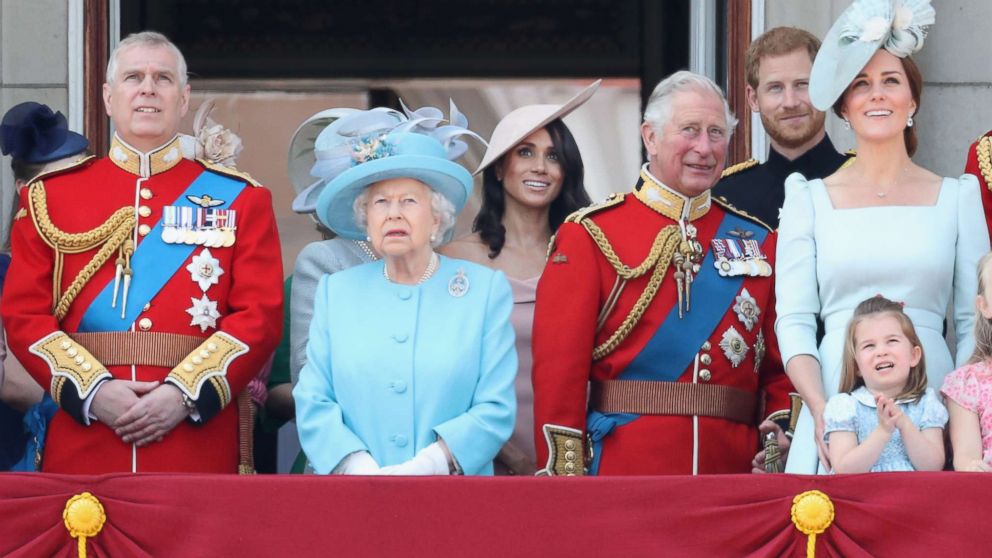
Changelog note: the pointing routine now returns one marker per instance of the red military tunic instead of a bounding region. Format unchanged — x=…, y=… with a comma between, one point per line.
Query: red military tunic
x=579, y=281
x=211, y=364
x=980, y=164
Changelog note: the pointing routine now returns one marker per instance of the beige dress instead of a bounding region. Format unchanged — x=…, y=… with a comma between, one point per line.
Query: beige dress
x=520, y=449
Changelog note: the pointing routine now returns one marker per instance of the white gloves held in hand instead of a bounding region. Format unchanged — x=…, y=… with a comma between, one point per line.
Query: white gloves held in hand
x=431, y=460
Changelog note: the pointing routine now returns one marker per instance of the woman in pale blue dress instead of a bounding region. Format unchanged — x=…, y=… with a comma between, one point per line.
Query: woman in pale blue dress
x=881, y=225
x=410, y=359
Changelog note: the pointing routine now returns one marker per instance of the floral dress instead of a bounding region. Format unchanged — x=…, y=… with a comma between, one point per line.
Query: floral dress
x=855, y=412
x=971, y=387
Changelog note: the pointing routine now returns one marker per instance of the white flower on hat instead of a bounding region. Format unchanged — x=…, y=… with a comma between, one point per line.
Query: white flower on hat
x=903, y=17
x=874, y=29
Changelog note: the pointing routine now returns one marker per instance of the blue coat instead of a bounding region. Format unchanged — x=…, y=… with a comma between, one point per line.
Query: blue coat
x=392, y=367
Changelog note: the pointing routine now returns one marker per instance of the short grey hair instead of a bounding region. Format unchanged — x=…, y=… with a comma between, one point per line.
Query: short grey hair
x=441, y=207
x=147, y=39
x=658, y=111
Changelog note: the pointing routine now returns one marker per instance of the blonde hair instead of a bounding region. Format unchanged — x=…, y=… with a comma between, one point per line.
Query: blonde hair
x=983, y=325
x=875, y=307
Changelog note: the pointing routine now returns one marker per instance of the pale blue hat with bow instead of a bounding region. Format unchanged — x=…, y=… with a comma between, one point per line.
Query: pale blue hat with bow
x=898, y=26
x=362, y=147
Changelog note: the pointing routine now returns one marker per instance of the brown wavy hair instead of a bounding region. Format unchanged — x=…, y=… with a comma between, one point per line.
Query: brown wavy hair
x=915, y=80
x=874, y=307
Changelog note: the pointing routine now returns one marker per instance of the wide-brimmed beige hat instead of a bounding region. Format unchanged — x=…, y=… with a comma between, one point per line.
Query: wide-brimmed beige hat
x=524, y=121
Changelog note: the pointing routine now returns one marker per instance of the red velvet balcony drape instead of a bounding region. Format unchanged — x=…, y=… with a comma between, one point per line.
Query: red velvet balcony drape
x=893, y=514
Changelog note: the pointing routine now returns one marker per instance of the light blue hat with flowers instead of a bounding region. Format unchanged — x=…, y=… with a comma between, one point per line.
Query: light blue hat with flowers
x=361, y=148
x=898, y=26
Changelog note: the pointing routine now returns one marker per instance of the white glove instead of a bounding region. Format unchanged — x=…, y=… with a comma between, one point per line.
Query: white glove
x=429, y=461
x=357, y=463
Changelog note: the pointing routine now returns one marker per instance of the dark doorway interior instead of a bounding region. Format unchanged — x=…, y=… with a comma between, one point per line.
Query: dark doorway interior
x=261, y=39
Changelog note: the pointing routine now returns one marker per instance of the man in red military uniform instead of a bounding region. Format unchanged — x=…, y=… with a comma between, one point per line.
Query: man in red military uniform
x=980, y=164
x=654, y=348
x=145, y=289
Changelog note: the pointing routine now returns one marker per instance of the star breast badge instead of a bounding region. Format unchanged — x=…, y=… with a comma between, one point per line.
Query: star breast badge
x=204, y=313
x=205, y=269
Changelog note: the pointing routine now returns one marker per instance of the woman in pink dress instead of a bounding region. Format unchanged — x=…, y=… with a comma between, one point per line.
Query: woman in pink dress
x=532, y=180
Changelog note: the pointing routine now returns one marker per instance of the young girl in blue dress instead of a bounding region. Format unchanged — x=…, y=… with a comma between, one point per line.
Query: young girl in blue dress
x=885, y=418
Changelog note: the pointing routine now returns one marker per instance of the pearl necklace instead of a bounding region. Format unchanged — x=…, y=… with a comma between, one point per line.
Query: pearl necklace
x=368, y=251
x=431, y=268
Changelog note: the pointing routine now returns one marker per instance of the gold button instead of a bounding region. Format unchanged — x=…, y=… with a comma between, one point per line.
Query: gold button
x=86, y=366
x=706, y=359
x=145, y=324
x=569, y=456
x=143, y=230
x=145, y=194
x=79, y=359
x=211, y=347
x=706, y=346
x=204, y=354
x=570, y=444
x=71, y=352
x=705, y=375
x=569, y=467
x=197, y=360
x=144, y=211
x=65, y=345
x=188, y=367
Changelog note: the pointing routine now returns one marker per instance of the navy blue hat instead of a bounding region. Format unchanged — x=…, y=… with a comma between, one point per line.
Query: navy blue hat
x=32, y=133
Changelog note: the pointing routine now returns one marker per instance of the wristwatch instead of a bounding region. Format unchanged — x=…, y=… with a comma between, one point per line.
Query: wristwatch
x=189, y=404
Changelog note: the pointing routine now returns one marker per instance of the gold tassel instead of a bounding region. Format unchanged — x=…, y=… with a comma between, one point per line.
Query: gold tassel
x=84, y=518
x=812, y=514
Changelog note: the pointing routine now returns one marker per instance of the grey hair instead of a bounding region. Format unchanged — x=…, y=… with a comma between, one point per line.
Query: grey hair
x=147, y=39
x=658, y=111
x=441, y=207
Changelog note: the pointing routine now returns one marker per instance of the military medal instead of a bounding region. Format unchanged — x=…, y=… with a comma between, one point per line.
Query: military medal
x=170, y=224
x=734, y=347
x=201, y=231
x=740, y=257
x=759, y=350
x=747, y=309
x=205, y=270
x=229, y=228
x=686, y=260
x=458, y=285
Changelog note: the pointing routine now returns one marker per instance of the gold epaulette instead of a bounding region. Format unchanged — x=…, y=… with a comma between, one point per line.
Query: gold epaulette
x=722, y=202
x=734, y=169
x=228, y=171
x=610, y=201
x=983, y=152
x=74, y=165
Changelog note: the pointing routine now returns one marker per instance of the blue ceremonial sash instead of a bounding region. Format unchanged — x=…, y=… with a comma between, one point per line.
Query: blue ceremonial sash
x=674, y=345
x=154, y=262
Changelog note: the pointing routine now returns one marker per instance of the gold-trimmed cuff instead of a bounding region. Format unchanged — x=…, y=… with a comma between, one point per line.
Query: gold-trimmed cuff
x=71, y=361
x=208, y=362
x=566, y=452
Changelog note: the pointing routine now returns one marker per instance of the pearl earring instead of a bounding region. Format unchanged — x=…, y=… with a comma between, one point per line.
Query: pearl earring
x=433, y=237
x=909, y=122
x=847, y=124
x=368, y=238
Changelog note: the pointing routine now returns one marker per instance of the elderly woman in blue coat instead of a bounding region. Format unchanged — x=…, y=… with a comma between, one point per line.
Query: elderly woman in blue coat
x=410, y=360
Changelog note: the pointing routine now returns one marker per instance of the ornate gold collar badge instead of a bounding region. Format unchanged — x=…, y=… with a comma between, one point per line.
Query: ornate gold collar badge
x=670, y=203
x=154, y=162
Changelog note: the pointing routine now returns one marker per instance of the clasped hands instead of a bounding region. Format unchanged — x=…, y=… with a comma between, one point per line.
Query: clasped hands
x=139, y=412
x=431, y=460
x=890, y=416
